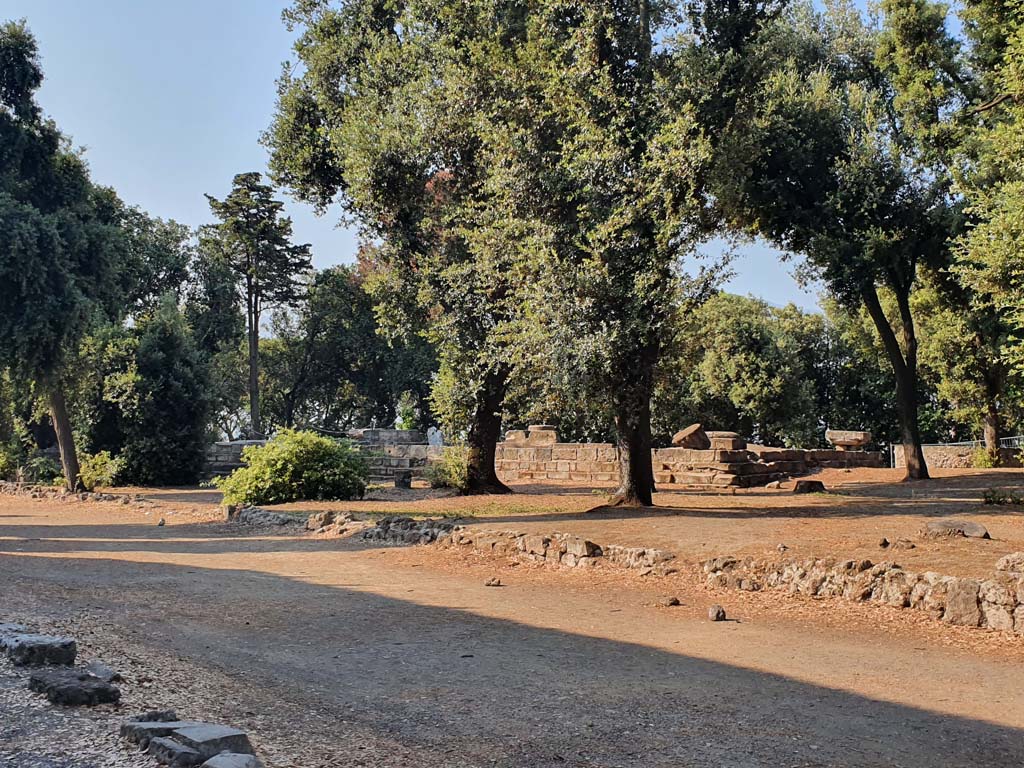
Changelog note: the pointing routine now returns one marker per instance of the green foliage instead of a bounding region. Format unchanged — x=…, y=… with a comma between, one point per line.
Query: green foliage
x=451, y=470
x=40, y=470
x=294, y=466
x=983, y=458
x=10, y=460
x=98, y=470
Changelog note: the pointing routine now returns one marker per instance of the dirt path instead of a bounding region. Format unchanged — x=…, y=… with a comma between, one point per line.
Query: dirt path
x=396, y=657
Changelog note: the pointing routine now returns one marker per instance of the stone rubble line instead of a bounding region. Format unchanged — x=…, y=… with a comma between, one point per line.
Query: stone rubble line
x=995, y=603
x=32, y=491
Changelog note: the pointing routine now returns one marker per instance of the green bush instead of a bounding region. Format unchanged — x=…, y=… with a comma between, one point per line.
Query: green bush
x=295, y=466
x=41, y=470
x=98, y=470
x=983, y=458
x=10, y=458
x=451, y=470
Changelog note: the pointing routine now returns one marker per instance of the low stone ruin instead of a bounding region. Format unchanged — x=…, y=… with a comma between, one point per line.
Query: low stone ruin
x=27, y=649
x=561, y=549
x=996, y=602
x=186, y=743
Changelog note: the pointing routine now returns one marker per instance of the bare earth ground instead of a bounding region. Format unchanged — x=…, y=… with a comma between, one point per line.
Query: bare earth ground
x=334, y=653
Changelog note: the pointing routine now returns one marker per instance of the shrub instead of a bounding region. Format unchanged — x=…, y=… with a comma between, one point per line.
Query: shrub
x=983, y=458
x=293, y=466
x=10, y=457
x=98, y=470
x=41, y=470
x=451, y=470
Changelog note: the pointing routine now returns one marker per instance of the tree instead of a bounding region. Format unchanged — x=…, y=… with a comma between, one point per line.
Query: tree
x=253, y=240
x=328, y=367
x=843, y=159
x=60, y=236
x=384, y=113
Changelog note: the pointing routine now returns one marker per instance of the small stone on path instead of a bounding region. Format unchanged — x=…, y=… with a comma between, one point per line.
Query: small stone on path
x=716, y=613
x=493, y=582
x=671, y=601
x=161, y=521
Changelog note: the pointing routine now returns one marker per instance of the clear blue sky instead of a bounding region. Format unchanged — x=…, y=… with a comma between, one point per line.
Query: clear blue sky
x=169, y=99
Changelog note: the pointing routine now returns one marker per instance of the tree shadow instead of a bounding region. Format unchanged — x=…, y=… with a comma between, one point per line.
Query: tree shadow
x=487, y=691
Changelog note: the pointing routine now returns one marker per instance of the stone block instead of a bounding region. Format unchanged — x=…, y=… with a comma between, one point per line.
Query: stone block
x=74, y=688
x=692, y=436
x=997, y=616
x=962, y=603
x=535, y=545
x=586, y=453
x=542, y=434
x=558, y=475
x=728, y=443
x=209, y=740
x=37, y=650
x=173, y=753
x=232, y=760
x=515, y=437
x=663, y=477
x=846, y=438
x=580, y=547
x=565, y=452
x=142, y=731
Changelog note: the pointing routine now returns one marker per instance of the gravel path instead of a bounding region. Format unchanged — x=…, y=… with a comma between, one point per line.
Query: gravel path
x=332, y=654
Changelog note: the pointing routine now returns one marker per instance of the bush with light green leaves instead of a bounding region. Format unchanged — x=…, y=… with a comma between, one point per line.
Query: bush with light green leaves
x=296, y=465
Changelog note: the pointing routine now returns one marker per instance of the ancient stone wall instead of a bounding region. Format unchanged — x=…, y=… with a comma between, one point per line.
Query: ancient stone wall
x=957, y=456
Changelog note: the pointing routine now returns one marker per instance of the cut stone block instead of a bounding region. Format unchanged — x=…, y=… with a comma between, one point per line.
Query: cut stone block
x=74, y=688
x=210, y=740
x=692, y=436
x=37, y=650
x=173, y=753
x=141, y=731
x=233, y=760
x=940, y=528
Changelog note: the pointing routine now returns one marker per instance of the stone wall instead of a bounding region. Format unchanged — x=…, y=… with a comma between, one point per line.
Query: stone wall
x=597, y=463
x=957, y=456
x=996, y=602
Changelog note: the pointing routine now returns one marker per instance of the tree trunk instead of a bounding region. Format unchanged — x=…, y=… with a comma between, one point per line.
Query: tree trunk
x=483, y=437
x=633, y=441
x=991, y=427
x=905, y=370
x=65, y=438
x=253, y=331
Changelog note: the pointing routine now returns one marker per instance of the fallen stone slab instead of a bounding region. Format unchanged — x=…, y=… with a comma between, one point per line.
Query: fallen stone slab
x=942, y=528
x=167, y=751
x=73, y=688
x=233, y=760
x=693, y=437
x=103, y=672
x=29, y=650
x=142, y=731
x=210, y=740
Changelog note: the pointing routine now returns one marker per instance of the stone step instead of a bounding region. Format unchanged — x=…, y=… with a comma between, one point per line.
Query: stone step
x=173, y=753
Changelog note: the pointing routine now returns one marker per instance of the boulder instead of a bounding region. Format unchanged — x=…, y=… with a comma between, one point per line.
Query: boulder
x=1014, y=562
x=716, y=613
x=142, y=731
x=103, y=672
x=73, y=687
x=943, y=528
x=693, y=437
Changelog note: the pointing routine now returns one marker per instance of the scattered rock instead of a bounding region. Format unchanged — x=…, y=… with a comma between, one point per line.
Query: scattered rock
x=103, y=672
x=36, y=650
x=716, y=613
x=943, y=528
x=493, y=582
x=671, y=602
x=774, y=484
x=73, y=687
x=883, y=542
x=142, y=731
x=1014, y=562
x=257, y=516
x=904, y=544
x=809, y=486
x=161, y=522
x=782, y=548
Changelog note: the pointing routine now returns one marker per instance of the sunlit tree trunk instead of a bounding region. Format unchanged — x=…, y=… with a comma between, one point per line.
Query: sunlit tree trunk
x=65, y=438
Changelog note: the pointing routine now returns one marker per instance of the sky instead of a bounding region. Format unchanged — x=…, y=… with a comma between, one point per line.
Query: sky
x=169, y=100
